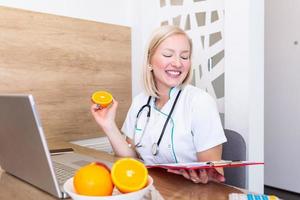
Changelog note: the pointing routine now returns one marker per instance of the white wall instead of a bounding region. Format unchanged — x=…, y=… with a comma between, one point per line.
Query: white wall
x=244, y=80
x=112, y=11
x=282, y=97
x=141, y=30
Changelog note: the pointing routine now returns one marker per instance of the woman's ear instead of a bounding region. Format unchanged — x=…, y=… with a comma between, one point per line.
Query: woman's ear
x=150, y=67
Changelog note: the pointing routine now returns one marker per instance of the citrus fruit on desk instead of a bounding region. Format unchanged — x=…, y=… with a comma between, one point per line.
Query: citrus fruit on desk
x=129, y=175
x=93, y=180
x=102, y=98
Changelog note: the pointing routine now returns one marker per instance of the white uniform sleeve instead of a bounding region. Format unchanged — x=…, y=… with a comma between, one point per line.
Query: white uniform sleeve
x=206, y=124
x=129, y=123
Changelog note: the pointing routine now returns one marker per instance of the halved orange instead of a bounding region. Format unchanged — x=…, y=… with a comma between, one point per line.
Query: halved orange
x=102, y=98
x=129, y=175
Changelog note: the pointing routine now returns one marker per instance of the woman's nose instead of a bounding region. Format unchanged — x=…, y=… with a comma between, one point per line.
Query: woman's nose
x=176, y=62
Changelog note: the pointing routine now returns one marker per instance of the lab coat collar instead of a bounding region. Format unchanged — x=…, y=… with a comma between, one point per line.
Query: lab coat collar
x=173, y=91
x=172, y=95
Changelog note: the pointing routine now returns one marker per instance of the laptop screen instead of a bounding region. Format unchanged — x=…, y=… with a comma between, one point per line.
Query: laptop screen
x=23, y=149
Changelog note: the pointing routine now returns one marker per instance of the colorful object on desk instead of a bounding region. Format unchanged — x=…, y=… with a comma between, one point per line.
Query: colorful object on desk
x=102, y=98
x=236, y=196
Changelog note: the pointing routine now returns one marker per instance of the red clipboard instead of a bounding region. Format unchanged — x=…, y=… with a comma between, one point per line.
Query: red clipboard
x=204, y=165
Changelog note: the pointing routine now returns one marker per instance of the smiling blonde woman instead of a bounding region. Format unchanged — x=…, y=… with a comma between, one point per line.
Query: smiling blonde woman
x=171, y=121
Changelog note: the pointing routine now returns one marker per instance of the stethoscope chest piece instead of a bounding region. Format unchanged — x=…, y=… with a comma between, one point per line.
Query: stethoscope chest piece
x=154, y=149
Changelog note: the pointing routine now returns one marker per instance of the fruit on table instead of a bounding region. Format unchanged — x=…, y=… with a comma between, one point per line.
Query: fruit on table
x=102, y=98
x=93, y=179
x=129, y=175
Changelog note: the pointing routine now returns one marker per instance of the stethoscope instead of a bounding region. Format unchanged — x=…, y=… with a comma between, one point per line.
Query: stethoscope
x=155, y=145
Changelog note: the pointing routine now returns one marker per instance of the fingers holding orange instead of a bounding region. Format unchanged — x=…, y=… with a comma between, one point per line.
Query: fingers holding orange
x=102, y=98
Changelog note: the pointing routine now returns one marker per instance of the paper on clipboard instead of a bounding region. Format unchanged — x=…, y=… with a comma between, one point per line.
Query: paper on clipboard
x=203, y=165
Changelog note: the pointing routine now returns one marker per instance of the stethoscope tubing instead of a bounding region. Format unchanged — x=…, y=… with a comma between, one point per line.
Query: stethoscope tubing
x=155, y=146
x=138, y=144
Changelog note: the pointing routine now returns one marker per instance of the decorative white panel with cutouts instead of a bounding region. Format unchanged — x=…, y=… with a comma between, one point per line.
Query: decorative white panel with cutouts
x=204, y=22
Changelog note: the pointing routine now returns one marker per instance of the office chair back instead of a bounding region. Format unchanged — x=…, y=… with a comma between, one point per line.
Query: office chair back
x=234, y=149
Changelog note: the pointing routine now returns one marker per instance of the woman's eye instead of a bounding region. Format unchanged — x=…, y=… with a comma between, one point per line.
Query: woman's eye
x=184, y=57
x=167, y=55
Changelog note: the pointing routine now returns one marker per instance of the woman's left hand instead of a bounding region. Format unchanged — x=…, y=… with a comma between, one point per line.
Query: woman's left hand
x=201, y=175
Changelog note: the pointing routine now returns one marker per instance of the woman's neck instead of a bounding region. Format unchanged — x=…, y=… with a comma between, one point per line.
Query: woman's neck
x=163, y=97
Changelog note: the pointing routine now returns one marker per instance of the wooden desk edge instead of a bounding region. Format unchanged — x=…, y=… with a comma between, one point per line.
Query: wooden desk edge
x=156, y=176
x=163, y=182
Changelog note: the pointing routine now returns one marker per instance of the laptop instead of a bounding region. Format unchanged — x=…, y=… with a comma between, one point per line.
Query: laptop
x=24, y=152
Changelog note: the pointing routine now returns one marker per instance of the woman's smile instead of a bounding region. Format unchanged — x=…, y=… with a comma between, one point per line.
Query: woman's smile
x=173, y=73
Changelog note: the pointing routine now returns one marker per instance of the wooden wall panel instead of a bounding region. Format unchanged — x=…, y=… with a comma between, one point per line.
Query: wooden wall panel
x=62, y=61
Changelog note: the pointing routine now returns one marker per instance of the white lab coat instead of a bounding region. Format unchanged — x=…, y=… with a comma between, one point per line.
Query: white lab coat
x=194, y=126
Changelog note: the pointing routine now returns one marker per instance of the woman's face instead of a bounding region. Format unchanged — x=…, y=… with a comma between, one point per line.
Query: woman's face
x=171, y=62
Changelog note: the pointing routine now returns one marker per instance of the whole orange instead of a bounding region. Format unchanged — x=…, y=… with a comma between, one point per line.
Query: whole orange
x=93, y=180
x=129, y=175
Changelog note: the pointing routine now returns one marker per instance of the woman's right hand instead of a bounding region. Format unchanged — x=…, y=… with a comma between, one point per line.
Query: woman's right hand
x=105, y=117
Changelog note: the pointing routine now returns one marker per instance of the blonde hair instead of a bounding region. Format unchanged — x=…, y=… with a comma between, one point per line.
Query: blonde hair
x=157, y=37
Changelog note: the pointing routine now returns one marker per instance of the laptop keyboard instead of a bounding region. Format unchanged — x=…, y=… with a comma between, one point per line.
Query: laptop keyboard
x=63, y=172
